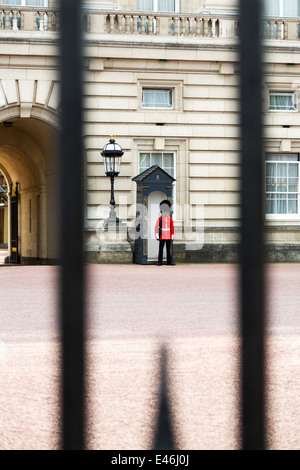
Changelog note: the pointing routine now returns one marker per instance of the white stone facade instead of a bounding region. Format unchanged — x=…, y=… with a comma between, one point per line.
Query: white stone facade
x=193, y=53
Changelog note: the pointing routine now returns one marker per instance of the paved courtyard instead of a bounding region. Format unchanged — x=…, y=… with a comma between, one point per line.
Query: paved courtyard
x=193, y=309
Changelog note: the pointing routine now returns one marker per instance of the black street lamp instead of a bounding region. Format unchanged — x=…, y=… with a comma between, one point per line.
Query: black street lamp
x=112, y=153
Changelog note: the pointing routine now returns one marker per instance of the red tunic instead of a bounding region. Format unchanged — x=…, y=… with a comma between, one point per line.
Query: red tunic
x=166, y=230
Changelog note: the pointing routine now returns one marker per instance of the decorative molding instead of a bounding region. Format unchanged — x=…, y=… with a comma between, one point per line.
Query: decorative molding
x=29, y=93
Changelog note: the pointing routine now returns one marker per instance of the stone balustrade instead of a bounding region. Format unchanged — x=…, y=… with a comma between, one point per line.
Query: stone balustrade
x=134, y=23
x=145, y=23
x=282, y=29
x=28, y=19
x=162, y=25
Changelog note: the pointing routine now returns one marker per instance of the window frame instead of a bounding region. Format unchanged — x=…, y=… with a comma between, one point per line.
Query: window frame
x=169, y=90
x=156, y=152
x=24, y=4
x=156, y=83
x=269, y=158
x=155, y=8
x=293, y=94
x=281, y=10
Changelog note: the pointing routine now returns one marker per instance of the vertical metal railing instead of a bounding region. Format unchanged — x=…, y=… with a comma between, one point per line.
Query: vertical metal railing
x=71, y=228
x=252, y=256
x=71, y=235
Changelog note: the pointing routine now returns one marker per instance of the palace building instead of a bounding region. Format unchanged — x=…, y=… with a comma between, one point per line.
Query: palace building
x=162, y=76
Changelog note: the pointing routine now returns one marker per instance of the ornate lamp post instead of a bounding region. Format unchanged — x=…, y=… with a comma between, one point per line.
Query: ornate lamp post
x=112, y=153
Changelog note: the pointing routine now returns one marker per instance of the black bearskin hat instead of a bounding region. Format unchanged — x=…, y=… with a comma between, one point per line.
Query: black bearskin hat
x=165, y=205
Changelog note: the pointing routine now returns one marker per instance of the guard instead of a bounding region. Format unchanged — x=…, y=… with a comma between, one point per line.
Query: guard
x=164, y=232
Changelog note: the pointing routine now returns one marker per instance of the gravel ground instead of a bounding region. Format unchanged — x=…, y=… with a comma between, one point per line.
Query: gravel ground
x=131, y=309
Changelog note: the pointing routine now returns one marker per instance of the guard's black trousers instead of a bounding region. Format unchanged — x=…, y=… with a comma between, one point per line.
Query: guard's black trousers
x=161, y=249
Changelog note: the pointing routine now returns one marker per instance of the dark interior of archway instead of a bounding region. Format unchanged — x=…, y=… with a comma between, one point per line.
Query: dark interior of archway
x=3, y=215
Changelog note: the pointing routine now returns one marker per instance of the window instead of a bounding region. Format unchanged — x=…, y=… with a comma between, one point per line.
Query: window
x=282, y=185
x=159, y=93
x=34, y=3
x=282, y=8
x=157, y=5
x=157, y=98
x=164, y=159
x=283, y=101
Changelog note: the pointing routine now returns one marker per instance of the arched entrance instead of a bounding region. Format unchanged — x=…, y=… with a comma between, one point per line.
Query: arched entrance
x=3, y=217
x=28, y=161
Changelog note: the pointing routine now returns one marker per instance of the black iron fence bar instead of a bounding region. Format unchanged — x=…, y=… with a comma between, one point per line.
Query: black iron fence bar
x=71, y=229
x=252, y=245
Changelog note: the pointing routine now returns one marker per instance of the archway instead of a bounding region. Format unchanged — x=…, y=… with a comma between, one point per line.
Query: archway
x=3, y=217
x=28, y=160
